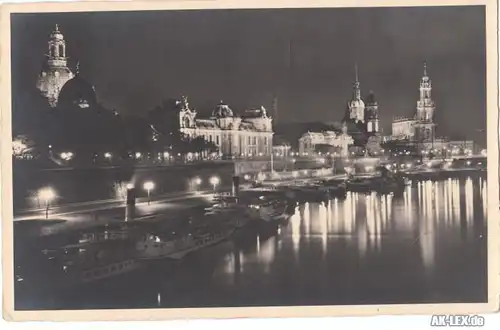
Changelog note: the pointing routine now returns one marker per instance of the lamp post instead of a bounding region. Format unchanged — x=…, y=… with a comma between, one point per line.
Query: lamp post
x=196, y=183
x=214, y=181
x=148, y=186
x=47, y=195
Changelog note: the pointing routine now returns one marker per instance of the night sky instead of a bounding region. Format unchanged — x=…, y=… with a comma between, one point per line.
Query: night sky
x=137, y=59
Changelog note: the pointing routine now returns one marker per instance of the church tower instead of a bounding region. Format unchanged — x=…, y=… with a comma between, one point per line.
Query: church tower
x=372, y=115
x=356, y=107
x=425, y=105
x=55, y=72
x=425, y=126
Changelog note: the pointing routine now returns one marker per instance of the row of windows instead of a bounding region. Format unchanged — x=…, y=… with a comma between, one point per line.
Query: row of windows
x=250, y=140
x=105, y=271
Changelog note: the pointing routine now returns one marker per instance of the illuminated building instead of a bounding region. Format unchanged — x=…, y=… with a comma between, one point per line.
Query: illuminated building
x=340, y=140
x=57, y=83
x=55, y=72
x=248, y=135
x=421, y=127
x=420, y=130
x=362, y=117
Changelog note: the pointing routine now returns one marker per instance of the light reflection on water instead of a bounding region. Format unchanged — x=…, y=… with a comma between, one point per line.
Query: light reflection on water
x=425, y=245
x=424, y=223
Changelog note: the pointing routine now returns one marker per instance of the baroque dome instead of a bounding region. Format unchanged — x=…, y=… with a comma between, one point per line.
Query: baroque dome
x=77, y=92
x=222, y=110
x=51, y=80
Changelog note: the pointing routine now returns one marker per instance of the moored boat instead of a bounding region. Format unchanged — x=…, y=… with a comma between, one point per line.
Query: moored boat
x=270, y=210
x=177, y=246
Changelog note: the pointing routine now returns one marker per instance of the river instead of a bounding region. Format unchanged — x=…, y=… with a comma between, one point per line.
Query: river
x=426, y=246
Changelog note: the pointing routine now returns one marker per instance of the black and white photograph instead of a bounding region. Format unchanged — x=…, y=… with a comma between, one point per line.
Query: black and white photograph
x=200, y=157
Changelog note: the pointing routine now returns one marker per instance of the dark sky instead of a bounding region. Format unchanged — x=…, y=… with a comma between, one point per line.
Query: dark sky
x=137, y=59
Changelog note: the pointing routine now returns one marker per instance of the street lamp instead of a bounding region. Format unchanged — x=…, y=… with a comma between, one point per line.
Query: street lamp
x=214, y=181
x=148, y=186
x=47, y=195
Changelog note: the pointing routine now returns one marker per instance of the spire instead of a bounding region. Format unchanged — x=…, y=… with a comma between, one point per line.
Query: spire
x=57, y=28
x=425, y=68
x=357, y=91
x=275, y=106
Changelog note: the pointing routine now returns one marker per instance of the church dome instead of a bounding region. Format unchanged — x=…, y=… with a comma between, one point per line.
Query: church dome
x=222, y=110
x=370, y=99
x=51, y=80
x=56, y=34
x=77, y=92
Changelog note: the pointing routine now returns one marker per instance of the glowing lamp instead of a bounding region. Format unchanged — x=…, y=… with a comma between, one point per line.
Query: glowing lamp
x=149, y=185
x=47, y=194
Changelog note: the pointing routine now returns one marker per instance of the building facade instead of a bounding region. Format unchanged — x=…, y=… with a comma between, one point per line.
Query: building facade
x=372, y=115
x=420, y=130
x=356, y=106
x=248, y=135
x=310, y=140
x=55, y=72
x=362, y=115
x=57, y=83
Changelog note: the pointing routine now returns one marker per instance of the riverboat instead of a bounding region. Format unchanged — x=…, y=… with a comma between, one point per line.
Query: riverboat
x=154, y=246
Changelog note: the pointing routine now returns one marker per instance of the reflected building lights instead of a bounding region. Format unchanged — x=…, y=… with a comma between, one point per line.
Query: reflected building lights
x=469, y=201
x=446, y=204
x=362, y=239
x=370, y=221
x=484, y=199
x=378, y=222
x=426, y=232
x=348, y=218
x=354, y=203
x=258, y=244
x=295, y=221
x=456, y=200
x=410, y=204
x=241, y=262
x=267, y=253
x=449, y=201
x=389, y=207
x=372, y=229
x=229, y=263
x=307, y=218
x=337, y=224
x=323, y=220
x=419, y=194
x=384, y=210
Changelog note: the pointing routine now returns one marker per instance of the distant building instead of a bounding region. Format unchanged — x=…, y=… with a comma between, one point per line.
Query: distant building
x=248, y=135
x=57, y=83
x=55, y=72
x=362, y=116
x=420, y=130
x=339, y=140
x=421, y=127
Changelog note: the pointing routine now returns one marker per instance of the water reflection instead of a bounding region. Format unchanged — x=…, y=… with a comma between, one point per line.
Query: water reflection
x=422, y=213
x=366, y=247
